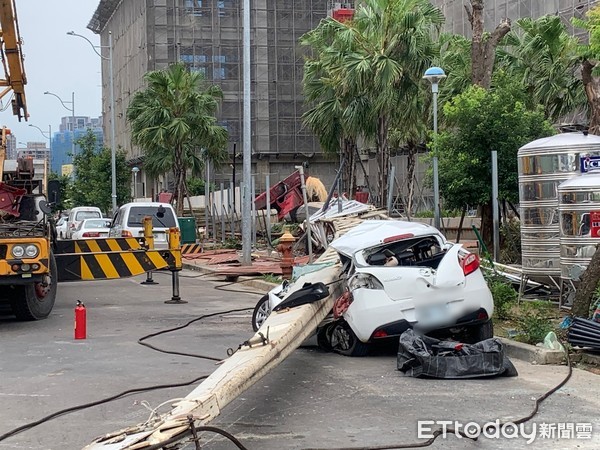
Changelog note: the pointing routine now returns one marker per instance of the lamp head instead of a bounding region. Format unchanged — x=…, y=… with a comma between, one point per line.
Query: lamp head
x=135, y=169
x=71, y=33
x=47, y=92
x=434, y=75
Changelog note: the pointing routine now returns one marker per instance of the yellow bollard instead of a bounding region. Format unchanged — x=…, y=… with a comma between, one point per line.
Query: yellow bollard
x=148, y=232
x=174, y=238
x=149, y=237
x=174, y=244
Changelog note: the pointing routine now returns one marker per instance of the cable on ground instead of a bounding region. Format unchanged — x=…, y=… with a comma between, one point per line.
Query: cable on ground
x=169, y=330
x=439, y=431
x=65, y=411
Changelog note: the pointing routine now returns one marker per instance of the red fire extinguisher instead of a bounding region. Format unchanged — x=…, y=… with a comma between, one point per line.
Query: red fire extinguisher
x=80, y=321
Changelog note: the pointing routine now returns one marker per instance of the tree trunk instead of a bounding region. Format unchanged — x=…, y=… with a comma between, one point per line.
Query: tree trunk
x=587, y=287
x=460, y=224
x=383, y=160
x=483, y=48
x=179, y=181
x=366, y=175
x=487, y=226
x=591, y=84
x=348, y=173
x=411, y=163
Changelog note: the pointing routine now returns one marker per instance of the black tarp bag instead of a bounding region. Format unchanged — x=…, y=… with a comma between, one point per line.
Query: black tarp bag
x=427, y=357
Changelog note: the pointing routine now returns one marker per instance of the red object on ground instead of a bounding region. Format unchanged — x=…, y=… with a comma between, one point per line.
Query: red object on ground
x=284, y=196
x=362, y=197
x=80, y=321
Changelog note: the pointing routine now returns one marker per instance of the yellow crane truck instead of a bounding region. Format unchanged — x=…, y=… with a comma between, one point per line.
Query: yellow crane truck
x=27, y=265
x=32, y=260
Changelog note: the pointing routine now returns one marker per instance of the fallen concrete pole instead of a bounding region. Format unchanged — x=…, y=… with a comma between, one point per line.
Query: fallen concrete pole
x=283, y=332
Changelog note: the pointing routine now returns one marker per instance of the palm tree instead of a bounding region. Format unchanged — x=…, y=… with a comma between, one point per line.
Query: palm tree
x=379, y=57
x=173, y=121
x=334, y=117
x=543, y=55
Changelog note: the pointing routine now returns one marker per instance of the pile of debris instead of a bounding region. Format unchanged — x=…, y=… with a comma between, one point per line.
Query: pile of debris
x=584, y=333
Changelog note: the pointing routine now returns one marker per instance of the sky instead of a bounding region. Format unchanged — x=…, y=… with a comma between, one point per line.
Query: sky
x=57, y=63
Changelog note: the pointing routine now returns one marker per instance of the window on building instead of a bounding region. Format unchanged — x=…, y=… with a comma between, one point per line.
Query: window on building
x=193, y=7
x=195, y=63
x=219, y=67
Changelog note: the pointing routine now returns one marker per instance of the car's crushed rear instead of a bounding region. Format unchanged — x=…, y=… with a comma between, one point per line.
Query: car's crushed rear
x=404, y=275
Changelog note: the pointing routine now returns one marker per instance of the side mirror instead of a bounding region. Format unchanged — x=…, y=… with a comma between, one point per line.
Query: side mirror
x=160, y=213
x=53, y=192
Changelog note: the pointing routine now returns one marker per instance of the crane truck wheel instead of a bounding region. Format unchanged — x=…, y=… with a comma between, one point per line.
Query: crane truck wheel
x=35, y=302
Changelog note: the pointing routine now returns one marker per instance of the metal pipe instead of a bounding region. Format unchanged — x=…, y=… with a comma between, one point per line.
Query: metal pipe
x=436, y=182
x=391, y=186
x=268, y=189
x=247, y=163
x=222, y=212
x=495, y=206
x=113, y=150
x=304, y=197
x=333, y=186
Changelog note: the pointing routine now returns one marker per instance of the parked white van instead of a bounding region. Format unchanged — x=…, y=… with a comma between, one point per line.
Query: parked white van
x=129, y=221
x=78, y=215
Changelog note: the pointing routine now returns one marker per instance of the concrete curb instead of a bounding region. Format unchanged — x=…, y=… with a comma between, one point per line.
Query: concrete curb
x=531, y=353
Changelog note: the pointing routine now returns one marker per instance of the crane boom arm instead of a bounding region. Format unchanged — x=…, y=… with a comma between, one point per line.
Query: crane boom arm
x=12, y=58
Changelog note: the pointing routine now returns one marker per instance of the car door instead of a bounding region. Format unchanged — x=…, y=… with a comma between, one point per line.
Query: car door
x=116, y=224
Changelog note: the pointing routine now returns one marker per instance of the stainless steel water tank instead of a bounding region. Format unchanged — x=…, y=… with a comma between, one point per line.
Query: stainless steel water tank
x=579, y=210
x=543, y=165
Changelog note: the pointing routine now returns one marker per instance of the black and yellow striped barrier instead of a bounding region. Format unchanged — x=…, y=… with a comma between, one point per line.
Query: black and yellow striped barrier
x=113, y=265
x=190, y=249
x=98, y=245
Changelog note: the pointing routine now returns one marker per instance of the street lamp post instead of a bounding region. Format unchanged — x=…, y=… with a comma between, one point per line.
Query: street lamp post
x=135, y=171
x=435, y=75
x=113, y=150
x=72, y=110
x=49, y=137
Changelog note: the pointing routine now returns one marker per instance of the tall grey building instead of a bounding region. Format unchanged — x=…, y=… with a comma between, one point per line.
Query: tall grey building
x=207, y=36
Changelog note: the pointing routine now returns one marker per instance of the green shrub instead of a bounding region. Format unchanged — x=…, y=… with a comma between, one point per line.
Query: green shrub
x=270, y=278
x=504, y=294
x=533, y=322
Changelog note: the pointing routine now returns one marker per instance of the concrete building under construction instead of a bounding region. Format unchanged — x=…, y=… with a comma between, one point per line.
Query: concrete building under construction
x=207, y=36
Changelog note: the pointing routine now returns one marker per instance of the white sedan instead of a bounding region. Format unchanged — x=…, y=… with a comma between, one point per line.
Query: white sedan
x=92, y=228
x=61, y=227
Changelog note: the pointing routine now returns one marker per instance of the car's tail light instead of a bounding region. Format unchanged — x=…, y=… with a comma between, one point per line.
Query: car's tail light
x=470, y=263
x=364, y=280
x=71, y=225
x=125, y=233
x=380, y=334
x=91, y=234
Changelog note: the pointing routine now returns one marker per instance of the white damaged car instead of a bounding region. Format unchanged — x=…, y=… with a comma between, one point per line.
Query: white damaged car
x=400, y=275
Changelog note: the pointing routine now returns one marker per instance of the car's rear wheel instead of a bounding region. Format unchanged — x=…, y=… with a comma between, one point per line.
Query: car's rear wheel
x=262, y=310
x=324, y=337
x=480, y=332
x=344, y=341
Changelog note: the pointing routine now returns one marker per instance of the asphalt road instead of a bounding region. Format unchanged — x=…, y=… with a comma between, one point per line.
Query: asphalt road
x=312, y=400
